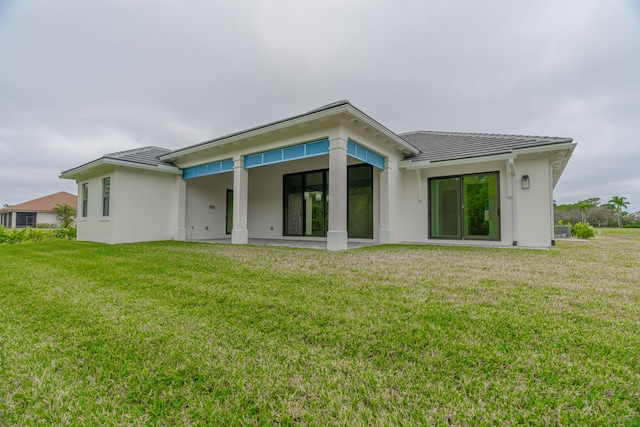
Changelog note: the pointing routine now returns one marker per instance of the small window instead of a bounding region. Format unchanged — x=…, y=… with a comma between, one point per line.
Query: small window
x=106, y=191
x=85, y=199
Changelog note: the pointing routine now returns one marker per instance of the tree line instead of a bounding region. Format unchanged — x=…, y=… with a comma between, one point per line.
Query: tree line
x=597, y=213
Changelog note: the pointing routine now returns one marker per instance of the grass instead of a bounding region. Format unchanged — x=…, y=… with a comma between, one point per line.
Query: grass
x=172, y=333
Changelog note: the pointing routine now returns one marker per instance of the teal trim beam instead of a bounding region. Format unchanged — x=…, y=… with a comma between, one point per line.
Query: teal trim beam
x=302, y=151
x=359, y=152
x=208, y=169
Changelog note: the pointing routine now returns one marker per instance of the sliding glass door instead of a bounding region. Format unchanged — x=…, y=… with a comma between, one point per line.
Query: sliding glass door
x=360, y=201
x=306, y=212
x=306, y=202
x=465, y=207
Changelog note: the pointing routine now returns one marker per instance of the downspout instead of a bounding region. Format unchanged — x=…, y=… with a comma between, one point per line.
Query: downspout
x=552, y=213
x=511, y=193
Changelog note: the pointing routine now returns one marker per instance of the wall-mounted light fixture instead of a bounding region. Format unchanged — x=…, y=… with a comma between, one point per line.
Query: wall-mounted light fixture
x=525, y=182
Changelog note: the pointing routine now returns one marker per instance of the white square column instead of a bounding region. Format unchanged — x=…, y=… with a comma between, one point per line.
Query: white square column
x=337, y=236
x=385, y=205
x=180, y=232
x=240, y=233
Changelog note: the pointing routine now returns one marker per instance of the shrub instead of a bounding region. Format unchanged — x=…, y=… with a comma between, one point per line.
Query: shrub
x=68, y=233
x=46, y=225
x=14, y=235
x=582, y=231
x=34, y=235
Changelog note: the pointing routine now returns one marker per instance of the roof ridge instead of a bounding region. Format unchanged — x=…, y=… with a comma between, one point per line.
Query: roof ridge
x=330, y=105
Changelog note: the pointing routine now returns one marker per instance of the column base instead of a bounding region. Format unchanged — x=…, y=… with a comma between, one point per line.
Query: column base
x=385, y=236
x=180, y=234
x=337, y=240
x=240, y=237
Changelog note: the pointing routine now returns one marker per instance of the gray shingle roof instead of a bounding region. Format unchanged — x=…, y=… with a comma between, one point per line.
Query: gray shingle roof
x=443, y=146
x=143, y=155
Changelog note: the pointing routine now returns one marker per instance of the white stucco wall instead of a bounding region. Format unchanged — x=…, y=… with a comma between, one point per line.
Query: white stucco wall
x=47, y=218
x=534, y=214
x=143, y=205
x=203, y=221
x=94, y=227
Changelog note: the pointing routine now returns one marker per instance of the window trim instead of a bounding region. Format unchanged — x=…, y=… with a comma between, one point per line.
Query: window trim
x=85, y=199
x=106, y=196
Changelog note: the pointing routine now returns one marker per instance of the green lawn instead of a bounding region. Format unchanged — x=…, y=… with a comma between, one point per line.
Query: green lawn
x=176, y=333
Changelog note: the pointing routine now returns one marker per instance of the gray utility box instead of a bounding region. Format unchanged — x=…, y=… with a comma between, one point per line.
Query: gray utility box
x=563, y=231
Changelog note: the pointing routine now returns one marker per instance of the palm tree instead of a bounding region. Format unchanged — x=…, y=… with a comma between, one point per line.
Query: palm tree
x=583, y=207
x=619, y=203
x=66, y=215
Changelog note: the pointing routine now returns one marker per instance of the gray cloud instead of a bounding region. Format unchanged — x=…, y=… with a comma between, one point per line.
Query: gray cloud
x=79, y=79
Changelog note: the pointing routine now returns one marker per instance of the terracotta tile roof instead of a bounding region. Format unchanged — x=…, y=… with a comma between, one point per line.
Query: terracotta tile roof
x=44, y=204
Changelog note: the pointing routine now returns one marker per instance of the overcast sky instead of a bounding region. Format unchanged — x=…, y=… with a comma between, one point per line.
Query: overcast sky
x=79, y=78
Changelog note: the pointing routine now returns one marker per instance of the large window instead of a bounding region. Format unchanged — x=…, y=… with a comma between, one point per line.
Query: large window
x=306, y=202
x=465, y=207
x=25, y=219
x=85, y=199
x=106, y=194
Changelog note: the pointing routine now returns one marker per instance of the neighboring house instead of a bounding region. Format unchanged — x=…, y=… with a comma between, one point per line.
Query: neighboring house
x=37, y=211
x=333, y=174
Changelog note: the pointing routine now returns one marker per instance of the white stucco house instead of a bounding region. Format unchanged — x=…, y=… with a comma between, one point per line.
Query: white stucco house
x=334, y=175
x=37, y=212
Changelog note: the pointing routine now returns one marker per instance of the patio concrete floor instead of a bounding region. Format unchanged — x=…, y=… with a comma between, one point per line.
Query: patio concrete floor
x=308, y=244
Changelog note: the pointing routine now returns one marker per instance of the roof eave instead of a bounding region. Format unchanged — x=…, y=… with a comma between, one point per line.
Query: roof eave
x=558, y=146
x=103, y=161
x=426, y=164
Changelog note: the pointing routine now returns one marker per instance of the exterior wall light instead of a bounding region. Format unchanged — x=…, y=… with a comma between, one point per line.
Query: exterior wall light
x=525, y=182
